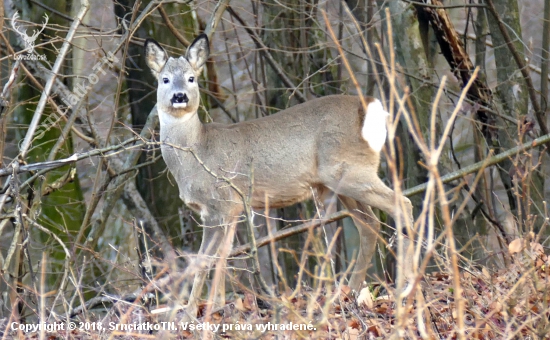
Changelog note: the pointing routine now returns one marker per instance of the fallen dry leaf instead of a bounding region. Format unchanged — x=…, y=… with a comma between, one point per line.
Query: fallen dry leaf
x=345, y=289
x=515, y=246
x=353, y=333
x=365, y=298
x=485, y=273
x=249, y=301
x=354, y=323
x=239, y=304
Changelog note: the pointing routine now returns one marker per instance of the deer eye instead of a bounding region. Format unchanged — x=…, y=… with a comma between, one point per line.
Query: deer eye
x=165, y=80
x=191, y=79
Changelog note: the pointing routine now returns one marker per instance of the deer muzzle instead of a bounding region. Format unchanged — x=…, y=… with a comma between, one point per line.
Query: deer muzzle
x=179, y=100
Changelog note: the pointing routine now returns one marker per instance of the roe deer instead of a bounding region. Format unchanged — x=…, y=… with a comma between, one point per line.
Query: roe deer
x=330, y=143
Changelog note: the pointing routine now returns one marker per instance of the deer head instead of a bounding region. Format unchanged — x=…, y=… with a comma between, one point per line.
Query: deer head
x=178, y=89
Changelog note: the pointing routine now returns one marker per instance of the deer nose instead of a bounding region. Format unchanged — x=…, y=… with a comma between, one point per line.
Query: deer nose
x=180, y=98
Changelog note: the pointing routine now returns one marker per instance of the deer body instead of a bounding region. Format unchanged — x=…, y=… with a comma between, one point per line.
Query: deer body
x=328, y=143
x=284, y=169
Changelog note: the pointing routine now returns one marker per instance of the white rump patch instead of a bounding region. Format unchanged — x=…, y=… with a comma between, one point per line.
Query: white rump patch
x=374, y=128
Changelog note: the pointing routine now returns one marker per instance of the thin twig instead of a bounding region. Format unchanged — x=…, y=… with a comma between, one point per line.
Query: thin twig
x=215, y=18
x=49, y=84
x=421, y=4
x=59, y=88
x=172, y=28
x=479, y=165
x=138, y=207
x=539, y=114
x=268, y=57
x=282, y=234
x=545, y=52
x=49, y=165
x=50, y=233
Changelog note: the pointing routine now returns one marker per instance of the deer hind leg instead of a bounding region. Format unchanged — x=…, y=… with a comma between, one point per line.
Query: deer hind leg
x=212, y=243
x=380, y=196
x=360, y=184
x=363, y=186
x=368, y=227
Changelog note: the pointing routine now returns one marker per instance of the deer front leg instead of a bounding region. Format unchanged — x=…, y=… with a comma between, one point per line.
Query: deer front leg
x=212, y=241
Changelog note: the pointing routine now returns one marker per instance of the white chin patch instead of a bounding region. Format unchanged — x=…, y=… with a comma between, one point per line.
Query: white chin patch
x=179, y=105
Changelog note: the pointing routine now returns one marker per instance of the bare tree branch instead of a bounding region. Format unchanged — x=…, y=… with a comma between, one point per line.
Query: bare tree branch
x=173, y=28
x=281, y=234
x=541, y=119
x=49, y=84
x=480, y=165
x=269, y=58
x=545, y=52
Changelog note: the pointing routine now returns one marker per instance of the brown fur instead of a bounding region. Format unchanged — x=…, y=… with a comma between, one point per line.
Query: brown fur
x=315, y=145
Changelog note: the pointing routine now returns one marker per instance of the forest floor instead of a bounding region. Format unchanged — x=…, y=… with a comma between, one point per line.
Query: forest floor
x=510, y=303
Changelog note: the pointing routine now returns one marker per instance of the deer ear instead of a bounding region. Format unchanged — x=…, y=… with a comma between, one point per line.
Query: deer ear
x=198, y=52
x=155, y=56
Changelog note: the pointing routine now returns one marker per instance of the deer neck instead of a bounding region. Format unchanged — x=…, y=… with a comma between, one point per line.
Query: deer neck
x=183, y=131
